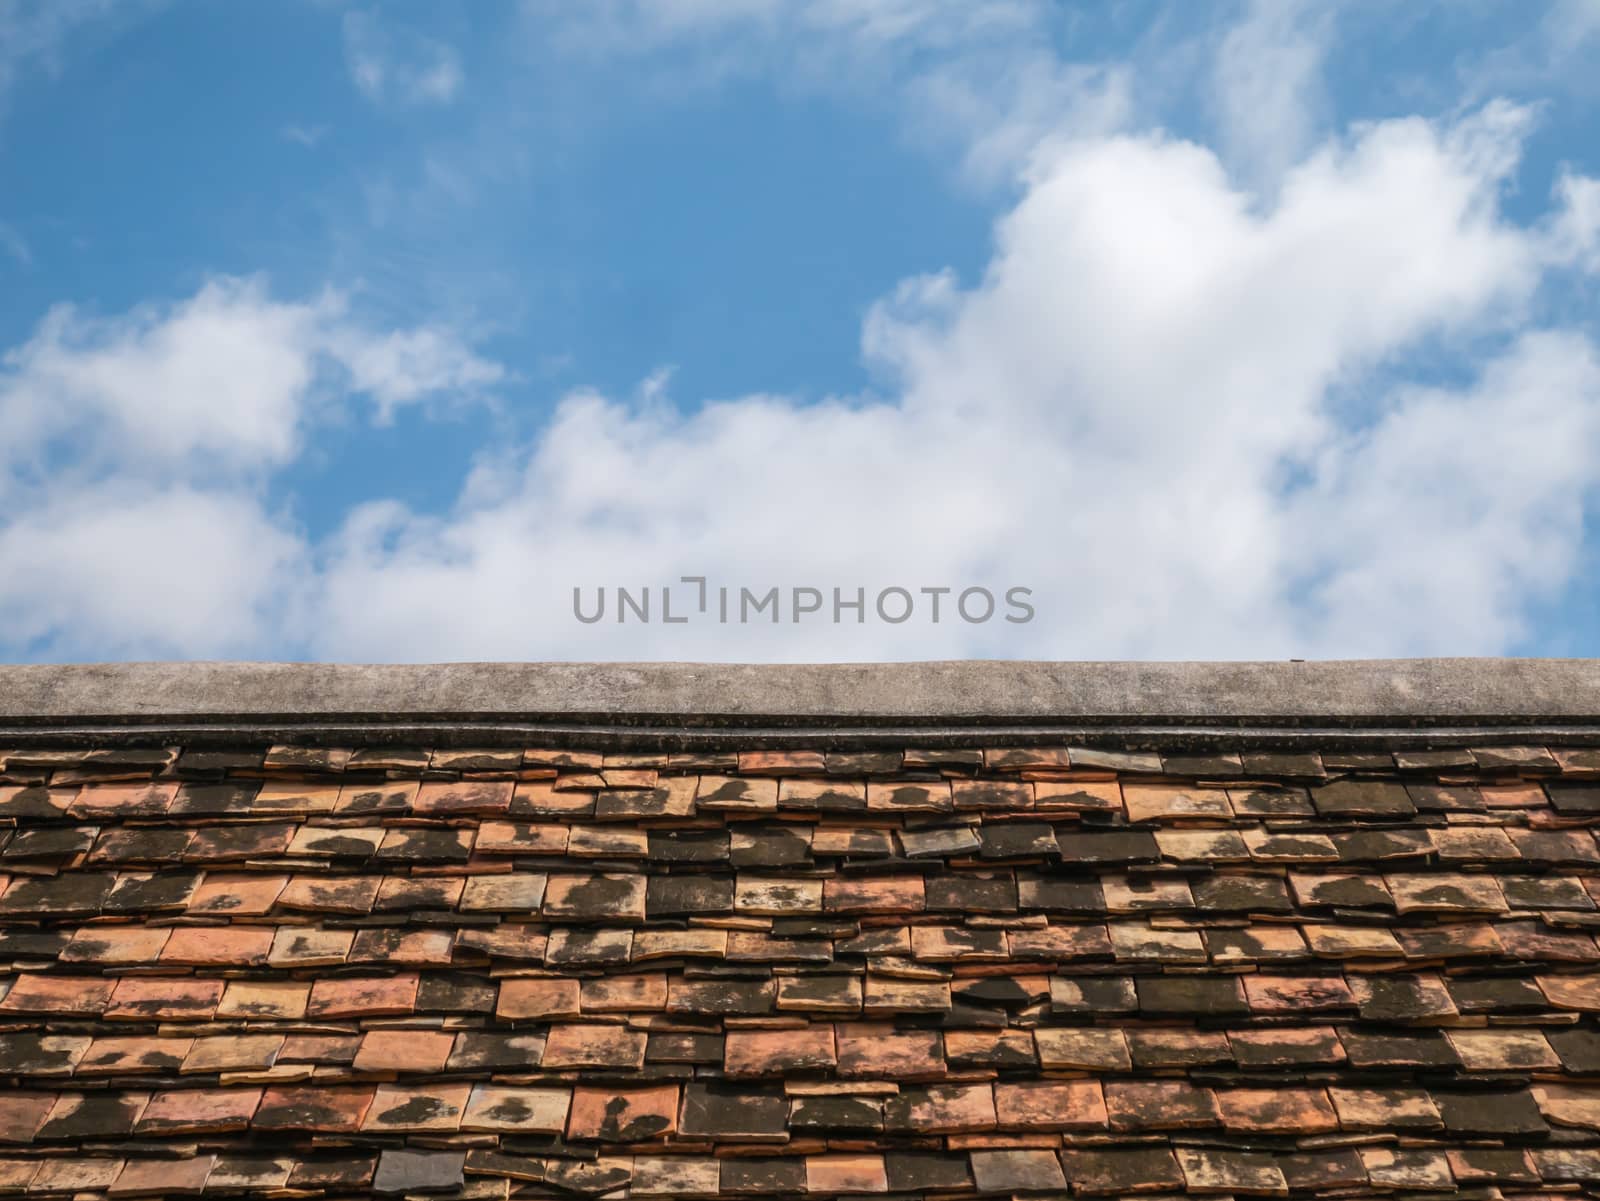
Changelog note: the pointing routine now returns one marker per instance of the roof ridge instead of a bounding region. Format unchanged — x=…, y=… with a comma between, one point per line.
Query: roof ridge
x=980, y=693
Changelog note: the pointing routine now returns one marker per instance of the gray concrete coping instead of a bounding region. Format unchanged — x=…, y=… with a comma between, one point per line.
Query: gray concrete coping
x=976, y=692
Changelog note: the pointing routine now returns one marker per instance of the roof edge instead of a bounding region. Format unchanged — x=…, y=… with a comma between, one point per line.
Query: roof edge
x=971, y=693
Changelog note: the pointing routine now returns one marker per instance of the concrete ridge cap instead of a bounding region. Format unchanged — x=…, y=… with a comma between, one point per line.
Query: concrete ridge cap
x=957, y=691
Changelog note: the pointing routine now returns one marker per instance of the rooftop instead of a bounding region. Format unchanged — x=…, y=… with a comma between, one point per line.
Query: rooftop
x=800, y=701
x=958, y=931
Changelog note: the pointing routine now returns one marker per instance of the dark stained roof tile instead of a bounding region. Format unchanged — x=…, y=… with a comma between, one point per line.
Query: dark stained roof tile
x=74, y=894
x=1323, y=1171
x=926, y=1172
x=1445, y=798
x=762, y=1175
x=1286, y=1047
x=1117, y=759
x=1208, y=997
x=1229, y=893
x=1211, y=1170
x=862, y=763
x=1578, y=1049
x=1017, y=1171
x=214, y=800
x=1280, y=1110
x=92, y=1116
x=1097, y=848
x=1491, y=1165
x=1490, y=1113
x=1390, y=1168
x=1177, y=1047
x=1018, y=840
x=1147, y=1105
x=1494, y=994
x=1086, y=995
x=1557, y=848
x=1359, y=797
x=1398, y=1049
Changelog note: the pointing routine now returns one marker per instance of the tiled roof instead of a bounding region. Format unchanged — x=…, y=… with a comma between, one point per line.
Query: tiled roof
x=936, y=971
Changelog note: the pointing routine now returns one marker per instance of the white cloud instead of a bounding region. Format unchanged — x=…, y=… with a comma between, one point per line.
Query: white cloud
x=405, y=366
x=1144, y=411
x=396, y=66
x=224, y=381
x=124, y=569
x=135, y=451
x=1575, y=232
x=1267, y=85
x=1469, y=501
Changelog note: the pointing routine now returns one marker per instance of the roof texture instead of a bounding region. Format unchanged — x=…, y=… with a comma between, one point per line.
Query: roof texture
x=958, y=967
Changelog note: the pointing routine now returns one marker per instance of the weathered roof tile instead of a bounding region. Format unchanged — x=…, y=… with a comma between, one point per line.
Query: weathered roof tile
x=998, y=969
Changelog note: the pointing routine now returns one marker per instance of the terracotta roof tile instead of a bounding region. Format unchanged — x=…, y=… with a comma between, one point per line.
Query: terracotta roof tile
x=232, y=1053
x=199, y=1111
x=595, y=897
x=990, y=969
x=92, y=1116
x=1083, y=1048
x=139, y=1054
x=779, y=1052
x=362, y=996
x=874, y=894
x=940, y=1109
x=1276, y=1110
x=434, y=1108
x=1156, y=802
x=1569, y=1105
x=152, y=997
x=162, y=1177
x=1121, y=1170
x=623, y=1114
x=594, y=1046
x=295, y=797
x=1051, y=1105
x=115, y=945
x=1140, y=1105
x=245, y=894
x=1208, y=1170
x=868, y=1050
x=1385, y=1109
x=1389, y=1168
x=1077, y=796
x=309, y=946
x=84, y=996
x=675, y=1176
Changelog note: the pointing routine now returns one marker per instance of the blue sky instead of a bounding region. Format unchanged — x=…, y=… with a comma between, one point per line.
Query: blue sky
x=370, y=331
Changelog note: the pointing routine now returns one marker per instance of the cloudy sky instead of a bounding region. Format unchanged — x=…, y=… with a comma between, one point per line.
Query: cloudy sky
x=361, y=331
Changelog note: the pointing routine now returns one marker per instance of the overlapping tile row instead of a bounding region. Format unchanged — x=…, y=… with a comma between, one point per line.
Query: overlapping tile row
x=302, y=971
